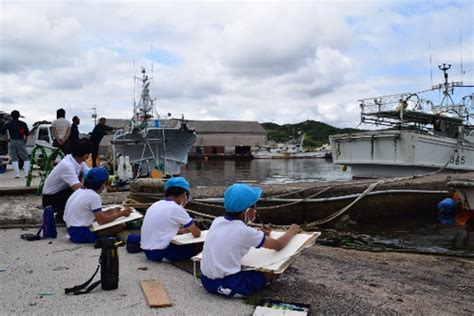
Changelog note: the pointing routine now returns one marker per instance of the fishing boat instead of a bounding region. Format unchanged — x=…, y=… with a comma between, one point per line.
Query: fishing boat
x=151, y=142
x=418, y=136
x=291, y=150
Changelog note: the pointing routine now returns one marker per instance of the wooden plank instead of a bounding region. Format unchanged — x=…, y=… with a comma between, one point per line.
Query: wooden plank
x=155, y=294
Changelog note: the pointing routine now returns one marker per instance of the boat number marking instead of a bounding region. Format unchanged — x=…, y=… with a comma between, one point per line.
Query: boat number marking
x=457, y=159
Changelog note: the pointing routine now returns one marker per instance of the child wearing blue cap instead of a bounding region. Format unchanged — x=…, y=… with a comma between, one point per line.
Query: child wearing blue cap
x=229, y=239
x=162, y=222
x=85, y=205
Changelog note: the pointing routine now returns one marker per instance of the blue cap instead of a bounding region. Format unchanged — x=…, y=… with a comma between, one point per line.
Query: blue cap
x=179, y=182
x=239, y=197
x=97, y=175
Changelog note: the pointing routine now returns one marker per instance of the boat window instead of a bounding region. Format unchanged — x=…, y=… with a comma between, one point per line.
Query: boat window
x=43, y=134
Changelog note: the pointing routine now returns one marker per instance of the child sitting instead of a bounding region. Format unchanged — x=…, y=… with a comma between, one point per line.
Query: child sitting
x=229, y=239
x=85, y=205
x=162, y=222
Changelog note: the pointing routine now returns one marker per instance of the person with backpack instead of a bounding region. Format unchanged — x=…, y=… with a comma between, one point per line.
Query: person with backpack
x=162, y=222
x=66, y=178
x=229, y=239
x=18, y=133
x=85, y=205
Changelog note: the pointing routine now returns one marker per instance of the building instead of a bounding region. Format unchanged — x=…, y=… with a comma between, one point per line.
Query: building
x=227, y=138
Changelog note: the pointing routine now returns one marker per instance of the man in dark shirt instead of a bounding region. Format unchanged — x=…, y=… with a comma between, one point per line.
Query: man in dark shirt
x=74, y=135
x=18, y=133
x=96, y=137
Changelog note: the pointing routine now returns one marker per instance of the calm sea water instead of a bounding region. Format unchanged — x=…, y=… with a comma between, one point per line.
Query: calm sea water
x=268, y=171
x=425, y=233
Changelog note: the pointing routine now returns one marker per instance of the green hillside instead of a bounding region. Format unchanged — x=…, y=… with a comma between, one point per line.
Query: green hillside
x=316, y=133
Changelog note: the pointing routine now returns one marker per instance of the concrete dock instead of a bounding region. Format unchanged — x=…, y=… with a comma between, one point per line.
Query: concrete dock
x=34, y=274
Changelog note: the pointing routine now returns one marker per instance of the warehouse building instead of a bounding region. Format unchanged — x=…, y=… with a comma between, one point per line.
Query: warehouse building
x=227, y=138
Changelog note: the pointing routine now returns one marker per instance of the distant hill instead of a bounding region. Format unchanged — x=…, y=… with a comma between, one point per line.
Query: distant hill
x=316, y=133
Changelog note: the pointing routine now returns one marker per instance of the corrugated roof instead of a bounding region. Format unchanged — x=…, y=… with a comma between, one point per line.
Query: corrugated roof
x=252, y=127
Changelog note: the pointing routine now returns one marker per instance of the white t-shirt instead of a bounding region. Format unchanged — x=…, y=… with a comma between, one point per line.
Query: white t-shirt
x=64, y=175
x=80, y=208
x=161, y=223
x=227, y=241
x=61, y=125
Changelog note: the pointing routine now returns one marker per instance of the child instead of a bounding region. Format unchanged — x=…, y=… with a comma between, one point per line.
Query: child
x=229, y=239
x=85, y=205
x=66, y=178
x=162, y=222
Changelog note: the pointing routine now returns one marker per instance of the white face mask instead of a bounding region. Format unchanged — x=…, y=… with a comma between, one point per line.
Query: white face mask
x=184, y=202
x=249, y=220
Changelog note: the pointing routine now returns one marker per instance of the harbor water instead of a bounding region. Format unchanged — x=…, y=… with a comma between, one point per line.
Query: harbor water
x=266, y=171
x=424, y=233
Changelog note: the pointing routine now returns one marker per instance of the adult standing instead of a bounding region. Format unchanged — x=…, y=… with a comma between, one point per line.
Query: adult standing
x=97, y=134
x=18, y=133
x=61, y=129
x=66, y=177
x=74, y=135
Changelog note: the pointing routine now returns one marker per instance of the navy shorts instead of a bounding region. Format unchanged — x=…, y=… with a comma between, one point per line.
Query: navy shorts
x=238, y=285
x=81, y=235
x=171, y=253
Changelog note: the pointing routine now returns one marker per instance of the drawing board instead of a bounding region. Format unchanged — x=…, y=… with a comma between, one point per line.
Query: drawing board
x=268, y=260
x=186, y=239
x=124, y=219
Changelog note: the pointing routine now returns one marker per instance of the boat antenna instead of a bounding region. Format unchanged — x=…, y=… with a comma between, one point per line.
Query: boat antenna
x=431, y=66
x=94, y=114
x=460, y=47
x=446, y=95
x=134, y=82
x=151, y=57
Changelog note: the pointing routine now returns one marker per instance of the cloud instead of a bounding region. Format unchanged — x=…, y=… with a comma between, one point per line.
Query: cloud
x=34, y=40
x=265, y=61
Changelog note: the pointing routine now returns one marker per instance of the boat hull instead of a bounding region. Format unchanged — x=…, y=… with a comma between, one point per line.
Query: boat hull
x=163, y=148
x=391, y=153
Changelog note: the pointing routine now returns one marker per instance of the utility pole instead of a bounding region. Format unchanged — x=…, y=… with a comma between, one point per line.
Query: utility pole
x=94, y=114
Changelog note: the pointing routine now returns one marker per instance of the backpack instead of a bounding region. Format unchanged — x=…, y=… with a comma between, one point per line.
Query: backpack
x=48, y=227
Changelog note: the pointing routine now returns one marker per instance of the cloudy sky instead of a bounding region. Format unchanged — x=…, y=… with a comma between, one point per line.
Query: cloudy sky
x=276, y=61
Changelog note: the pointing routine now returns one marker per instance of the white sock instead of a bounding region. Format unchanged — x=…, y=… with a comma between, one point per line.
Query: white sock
x=26, y=168
x=16, y=168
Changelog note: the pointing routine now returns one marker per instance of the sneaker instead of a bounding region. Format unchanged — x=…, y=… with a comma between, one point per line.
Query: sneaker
x=58, y=218
x=131, y=248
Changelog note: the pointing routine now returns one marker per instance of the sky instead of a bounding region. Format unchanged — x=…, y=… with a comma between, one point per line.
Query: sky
x=268, y=61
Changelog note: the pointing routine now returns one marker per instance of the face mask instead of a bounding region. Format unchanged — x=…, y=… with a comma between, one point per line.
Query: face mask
x=249, y=220
x=184, y=202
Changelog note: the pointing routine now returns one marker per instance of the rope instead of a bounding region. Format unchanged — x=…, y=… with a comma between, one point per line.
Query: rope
x=335, y=215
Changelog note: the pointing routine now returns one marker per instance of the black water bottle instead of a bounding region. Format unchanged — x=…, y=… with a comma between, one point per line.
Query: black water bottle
x=109, y=265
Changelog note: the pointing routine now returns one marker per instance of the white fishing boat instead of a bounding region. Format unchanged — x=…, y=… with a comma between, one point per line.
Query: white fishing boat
x=419, y=135
x=151, y=142
x=291, y=150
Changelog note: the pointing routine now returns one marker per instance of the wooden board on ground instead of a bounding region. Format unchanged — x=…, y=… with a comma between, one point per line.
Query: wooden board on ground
x=268, y=260
x=133, y=216
x=187, y=239
x=155, y=294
